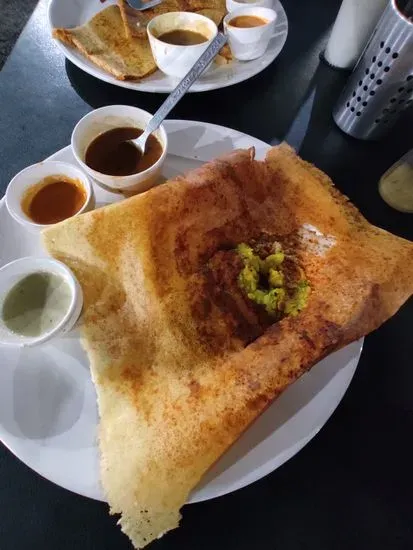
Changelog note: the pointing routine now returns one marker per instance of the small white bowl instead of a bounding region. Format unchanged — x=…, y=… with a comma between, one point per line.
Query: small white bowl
x=234, y=4
x=13, y=272
x=248, y=43
x=31, y=175
x=175, y=60
x=117, y=116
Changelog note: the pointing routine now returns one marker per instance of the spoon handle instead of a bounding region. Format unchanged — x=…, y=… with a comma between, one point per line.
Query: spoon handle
x=187, y=81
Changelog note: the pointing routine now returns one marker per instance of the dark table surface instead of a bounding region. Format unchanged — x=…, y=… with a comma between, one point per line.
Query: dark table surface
x=352, y=486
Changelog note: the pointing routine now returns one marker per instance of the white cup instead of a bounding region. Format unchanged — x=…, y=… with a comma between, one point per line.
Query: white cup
x=250, y=42
x=117, y=116
x=13, y=272
x=176, y=60
x=34, y=174
x=233, y=5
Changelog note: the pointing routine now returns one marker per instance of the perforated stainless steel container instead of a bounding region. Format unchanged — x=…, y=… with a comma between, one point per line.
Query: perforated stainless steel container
x=381, y=85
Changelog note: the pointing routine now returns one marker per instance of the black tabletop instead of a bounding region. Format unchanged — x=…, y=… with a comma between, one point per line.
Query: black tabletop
x=352, y=485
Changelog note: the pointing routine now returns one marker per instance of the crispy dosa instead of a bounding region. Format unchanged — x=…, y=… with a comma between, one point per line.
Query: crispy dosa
x=215, y=14
x=225, y=56
x=135, y=21
x=178, y=375
x=103, y=41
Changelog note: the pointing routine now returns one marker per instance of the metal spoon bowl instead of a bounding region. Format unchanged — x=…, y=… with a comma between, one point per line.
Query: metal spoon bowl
x=139, y=5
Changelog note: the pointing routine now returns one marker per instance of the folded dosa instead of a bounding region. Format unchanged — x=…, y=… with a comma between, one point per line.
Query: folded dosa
x=215, y=14
x=178, y=376
x=103, y=41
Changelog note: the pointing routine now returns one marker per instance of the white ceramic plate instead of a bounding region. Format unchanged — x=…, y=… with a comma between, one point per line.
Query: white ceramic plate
x=48, y=413
x=71, y=13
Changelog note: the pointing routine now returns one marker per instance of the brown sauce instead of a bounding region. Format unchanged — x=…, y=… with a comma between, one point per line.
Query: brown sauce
x=247, y=21
x=182, y=37
x=109, y=153
x=53, y=199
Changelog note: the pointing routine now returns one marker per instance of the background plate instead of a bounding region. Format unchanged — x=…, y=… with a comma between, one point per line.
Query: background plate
x=71, y=13
x=48, y=413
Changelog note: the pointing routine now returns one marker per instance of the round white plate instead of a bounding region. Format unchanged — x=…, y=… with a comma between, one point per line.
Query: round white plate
x=71, y=13
x=48, y=413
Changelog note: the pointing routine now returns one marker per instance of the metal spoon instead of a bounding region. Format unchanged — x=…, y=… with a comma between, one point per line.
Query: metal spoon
x=142, y=6
x=175, y=96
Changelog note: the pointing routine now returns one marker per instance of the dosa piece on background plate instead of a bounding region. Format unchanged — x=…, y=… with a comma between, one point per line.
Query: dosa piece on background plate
x=103, y=40
x=115, y=38
x=182, y=360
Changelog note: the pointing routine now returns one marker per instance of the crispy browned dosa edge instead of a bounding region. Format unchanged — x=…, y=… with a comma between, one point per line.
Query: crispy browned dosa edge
x=215, y=14
x=103, y=41
x=135, y=21
x=176, y=383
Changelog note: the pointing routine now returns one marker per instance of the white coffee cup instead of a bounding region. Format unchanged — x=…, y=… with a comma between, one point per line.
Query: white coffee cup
x=172, y=59
x=250, y=42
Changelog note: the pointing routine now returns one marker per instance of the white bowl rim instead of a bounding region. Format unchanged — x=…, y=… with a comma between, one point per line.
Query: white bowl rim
x=75, y=296
x=82, y=176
